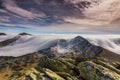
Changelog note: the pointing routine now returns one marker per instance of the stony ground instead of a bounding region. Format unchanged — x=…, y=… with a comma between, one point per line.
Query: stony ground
x=34, y=67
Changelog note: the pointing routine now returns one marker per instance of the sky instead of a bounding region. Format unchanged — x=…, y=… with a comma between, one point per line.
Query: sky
x=60, y=16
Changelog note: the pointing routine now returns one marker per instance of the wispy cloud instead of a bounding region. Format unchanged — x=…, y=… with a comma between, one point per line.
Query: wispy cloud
x=4, y=19
x=11, y=6
x=61, y=29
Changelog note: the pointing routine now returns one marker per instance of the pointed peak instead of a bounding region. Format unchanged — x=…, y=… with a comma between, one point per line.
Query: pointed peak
x=79, y=38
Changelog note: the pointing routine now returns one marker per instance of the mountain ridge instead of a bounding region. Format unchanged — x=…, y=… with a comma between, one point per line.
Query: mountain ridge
x=70, y=47
x=85, y=62
x=20, y=42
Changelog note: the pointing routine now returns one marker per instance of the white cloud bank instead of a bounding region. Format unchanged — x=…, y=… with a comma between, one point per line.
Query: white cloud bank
x=29, y=44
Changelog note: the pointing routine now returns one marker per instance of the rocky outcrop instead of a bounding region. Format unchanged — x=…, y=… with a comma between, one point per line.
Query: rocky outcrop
x=91, y=71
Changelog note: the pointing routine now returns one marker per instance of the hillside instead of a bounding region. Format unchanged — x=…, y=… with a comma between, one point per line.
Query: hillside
x=34, y=67
x=71, y=59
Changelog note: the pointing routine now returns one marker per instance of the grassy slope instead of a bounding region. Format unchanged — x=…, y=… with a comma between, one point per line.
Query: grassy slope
x=110, y=55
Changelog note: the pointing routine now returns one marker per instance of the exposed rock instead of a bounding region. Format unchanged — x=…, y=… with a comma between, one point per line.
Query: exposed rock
x=53, y=75
x=91, y=71
x=54, y=65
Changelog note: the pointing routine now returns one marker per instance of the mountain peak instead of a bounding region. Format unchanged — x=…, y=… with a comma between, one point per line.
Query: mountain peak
x=75, y=46
x=24, y=34
x=2, y=34
x=79, y=38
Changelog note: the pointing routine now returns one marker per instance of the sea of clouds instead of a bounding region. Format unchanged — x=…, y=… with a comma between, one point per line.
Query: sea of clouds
x=33, y=43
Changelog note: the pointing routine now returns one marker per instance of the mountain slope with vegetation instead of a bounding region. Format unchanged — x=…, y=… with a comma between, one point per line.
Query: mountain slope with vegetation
x=34, y=67
x=82, y=61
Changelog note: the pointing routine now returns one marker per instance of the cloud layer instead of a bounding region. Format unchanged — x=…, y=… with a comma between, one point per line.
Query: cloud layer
x=29, y=44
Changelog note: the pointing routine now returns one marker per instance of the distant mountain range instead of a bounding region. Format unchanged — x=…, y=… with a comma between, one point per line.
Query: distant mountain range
x=25, y=43
x=41, y=57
